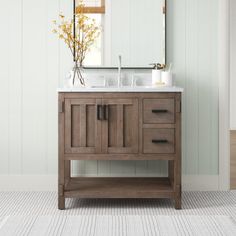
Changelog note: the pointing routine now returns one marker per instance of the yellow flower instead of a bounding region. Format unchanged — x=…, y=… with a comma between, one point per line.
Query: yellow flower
x=86, y=33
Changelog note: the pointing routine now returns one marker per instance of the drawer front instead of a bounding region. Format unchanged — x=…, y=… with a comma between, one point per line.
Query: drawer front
x=159, y=111
x=159, y=141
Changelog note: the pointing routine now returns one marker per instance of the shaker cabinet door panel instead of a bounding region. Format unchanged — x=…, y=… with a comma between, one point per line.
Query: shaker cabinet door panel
x=82, y=129
x=120, y=130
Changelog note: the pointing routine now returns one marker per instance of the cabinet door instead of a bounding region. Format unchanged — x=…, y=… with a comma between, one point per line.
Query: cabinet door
x=120, y=127
x=82, y=128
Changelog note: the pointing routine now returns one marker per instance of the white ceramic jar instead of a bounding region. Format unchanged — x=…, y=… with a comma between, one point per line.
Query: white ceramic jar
x=167, y=78
x=156, y=77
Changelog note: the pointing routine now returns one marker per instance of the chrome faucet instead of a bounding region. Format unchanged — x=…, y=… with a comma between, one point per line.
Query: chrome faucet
x=119, y=71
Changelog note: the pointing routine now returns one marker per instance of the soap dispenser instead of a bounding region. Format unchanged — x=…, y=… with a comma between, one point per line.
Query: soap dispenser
x=156, y=73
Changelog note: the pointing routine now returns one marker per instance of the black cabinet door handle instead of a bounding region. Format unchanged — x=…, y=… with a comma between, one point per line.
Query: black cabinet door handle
x=102, y=112
x=99, y=112
x=105, y=112
x=159, y=141
x=159, y=111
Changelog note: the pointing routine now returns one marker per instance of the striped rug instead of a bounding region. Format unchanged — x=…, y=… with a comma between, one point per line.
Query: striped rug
x=208, y=213
x=45, y=203
x=117, y=225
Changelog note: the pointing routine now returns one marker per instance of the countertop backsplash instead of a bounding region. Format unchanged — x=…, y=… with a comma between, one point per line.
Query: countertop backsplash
x=96, y=77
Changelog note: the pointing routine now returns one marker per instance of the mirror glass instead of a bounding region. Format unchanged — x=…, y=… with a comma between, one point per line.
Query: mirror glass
x=133, y=29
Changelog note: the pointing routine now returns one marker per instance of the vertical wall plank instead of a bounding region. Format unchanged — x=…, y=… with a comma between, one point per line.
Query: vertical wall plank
x=205, y=90
x=65, y=56
x=176, y=53
x=52, y=80
x=34, y=87
x=214, y=133
x=191, y=91
x=104, y=168
x=156, y=168
x=141, y=168
x=15, y=89
x=91, y=168
x=232, y=65
x=122, y=168
x=4, y=80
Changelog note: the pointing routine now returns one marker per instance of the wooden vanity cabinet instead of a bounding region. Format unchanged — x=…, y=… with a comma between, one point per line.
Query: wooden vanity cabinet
x=120, y=126
x=98, y=126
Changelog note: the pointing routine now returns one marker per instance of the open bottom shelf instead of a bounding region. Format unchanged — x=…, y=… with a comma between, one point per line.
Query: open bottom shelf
x=119, y=188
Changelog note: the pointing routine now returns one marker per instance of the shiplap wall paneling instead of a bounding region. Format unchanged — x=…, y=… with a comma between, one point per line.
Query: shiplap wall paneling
x=15, y=85
x=191, y=89
x=232, y=65
x=34, y=74
x=192, y=47
x=34, y=64
x=214, y=88
x=53, y=78
x=4, y=95
x=207, y=87
x=176, y=53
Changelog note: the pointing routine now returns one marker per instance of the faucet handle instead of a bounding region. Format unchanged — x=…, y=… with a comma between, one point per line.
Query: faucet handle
x=134, y=81
x=105, y=81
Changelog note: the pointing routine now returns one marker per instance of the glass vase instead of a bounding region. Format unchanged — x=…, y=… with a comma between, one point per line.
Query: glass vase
x=75, y=77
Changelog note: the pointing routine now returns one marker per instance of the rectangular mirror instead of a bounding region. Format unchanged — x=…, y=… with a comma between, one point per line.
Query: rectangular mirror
x=134, y=29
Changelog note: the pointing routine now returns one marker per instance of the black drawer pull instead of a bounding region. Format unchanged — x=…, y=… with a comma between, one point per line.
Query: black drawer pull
x=159, y=111
x=159, y=141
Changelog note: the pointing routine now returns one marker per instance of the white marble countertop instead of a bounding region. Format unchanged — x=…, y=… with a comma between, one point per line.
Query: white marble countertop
x=144, y=89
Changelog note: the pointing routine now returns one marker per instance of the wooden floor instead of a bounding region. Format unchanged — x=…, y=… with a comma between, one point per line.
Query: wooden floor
x=233, y=159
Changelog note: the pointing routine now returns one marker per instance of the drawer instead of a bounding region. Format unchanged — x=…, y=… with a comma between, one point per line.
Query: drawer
x=159, y=141
x=159, y=111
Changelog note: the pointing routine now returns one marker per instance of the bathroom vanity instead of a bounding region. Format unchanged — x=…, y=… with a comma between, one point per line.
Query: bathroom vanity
x=120, y=124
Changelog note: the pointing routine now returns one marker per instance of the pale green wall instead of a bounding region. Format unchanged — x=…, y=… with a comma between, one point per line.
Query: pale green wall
x=192, y=47
x=33, y=63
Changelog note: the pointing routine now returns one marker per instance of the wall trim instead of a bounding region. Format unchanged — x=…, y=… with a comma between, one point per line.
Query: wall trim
x=200, y=183
x=28, y=182
x=49, y=182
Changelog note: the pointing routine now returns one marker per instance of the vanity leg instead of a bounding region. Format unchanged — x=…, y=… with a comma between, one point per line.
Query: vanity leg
x=178, y=204
x=61, y=180
x=61, y=203
x=61, y=198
